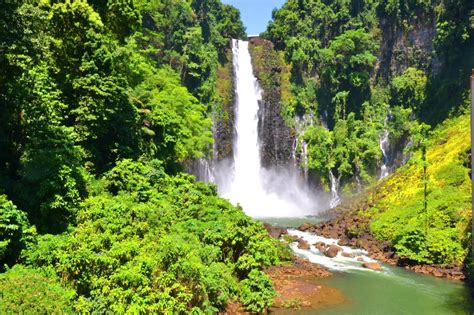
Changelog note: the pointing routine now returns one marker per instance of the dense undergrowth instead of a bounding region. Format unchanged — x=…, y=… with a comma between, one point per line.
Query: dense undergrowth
x=147, y=242
x=440, y=232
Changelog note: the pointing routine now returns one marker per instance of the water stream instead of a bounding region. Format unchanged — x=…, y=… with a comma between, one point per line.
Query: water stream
x=335, y=198
x=280, y=198
x=261, y=192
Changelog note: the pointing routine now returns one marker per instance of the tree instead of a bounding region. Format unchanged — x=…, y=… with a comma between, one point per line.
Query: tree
x=408, y=90
x=15, y=232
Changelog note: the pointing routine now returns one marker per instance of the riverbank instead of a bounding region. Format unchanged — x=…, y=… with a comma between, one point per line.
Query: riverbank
x=298, y=287
x=351, y=228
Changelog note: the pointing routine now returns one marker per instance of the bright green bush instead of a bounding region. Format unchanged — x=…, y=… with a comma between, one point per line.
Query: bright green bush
x=437, y=235
x=15, y=231
x=256, y=292
x=28, y=291
x=158, y=244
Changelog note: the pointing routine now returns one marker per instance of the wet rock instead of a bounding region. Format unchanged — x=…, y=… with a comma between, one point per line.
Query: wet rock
x=360, y=258
x=437, y=273
x=304, y=227
x=372, y=266
x=275, y=231
x=321, y=246
x=348, y=255
x=302, y=244
x=332, y=251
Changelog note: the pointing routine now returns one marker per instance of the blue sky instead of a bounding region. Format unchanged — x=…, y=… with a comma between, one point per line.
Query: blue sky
x=255, y=13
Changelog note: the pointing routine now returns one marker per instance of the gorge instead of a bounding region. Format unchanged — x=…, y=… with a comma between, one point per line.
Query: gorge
x=332, y=154
x=282, y=196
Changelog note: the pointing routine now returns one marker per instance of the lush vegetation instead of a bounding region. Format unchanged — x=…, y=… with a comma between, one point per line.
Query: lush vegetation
x=147, y=242
x=103, y=102
x=359, y=68
x=362, y=69
x=439, y=232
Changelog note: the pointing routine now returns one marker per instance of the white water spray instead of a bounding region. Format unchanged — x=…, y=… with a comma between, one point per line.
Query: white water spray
x=335, y=198
x=384, y=144
x=260, y=192
x=339, y=263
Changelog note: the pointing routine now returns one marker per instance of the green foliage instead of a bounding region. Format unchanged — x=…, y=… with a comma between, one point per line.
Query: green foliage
x=295, y=303
x=154, y=243
x=30, y=291
x=257, y=292
x=175, y=121
x=402, y=219
x=408, y=90
x=101, y=101
x=15, y=232
x=87, y=83
x=352, y=148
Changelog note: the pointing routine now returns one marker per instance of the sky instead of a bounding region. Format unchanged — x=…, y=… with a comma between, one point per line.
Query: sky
x=255, y=13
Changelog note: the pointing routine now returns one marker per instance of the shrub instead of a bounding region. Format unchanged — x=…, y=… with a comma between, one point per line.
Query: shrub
x=256, y=292
x=27, y=291
x=15, y=231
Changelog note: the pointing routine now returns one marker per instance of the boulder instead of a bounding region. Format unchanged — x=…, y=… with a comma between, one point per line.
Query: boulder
x=321, y=246
x=437, y=273
x=372, y=266
x=332, y=251
x=302, y=244
x=348, y=255
x=304, y=227
x=275, y=231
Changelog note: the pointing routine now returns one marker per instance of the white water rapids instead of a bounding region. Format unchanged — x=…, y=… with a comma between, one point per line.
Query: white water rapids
x=261, y=192
x=338, y=263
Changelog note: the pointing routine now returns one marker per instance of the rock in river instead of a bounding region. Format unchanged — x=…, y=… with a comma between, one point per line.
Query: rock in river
x=302, y=244
x=304, y=227
x=332, y=251
x=372, y=266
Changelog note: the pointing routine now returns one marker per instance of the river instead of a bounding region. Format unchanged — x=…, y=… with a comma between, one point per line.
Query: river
x=393, y=290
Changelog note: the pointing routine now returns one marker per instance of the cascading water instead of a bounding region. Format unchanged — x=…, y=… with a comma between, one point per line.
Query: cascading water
x=260, y=192
x=384, y=144
x=300, y=144
x=335, y=198
x=204, y=170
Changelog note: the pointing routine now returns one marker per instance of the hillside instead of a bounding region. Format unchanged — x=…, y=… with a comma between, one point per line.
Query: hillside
x=390, y=219
x=368, y=74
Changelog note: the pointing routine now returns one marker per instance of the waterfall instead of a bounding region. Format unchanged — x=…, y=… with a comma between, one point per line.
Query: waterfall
x=261, y=192
x=384, y=144
x=335, y=198
x=301, y=158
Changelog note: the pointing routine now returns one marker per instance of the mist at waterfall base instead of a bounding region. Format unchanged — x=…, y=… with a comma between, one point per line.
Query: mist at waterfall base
x=275, y=192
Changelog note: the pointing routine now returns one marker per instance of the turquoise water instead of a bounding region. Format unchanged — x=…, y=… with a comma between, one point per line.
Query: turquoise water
x=392, y=291
x=398, y=291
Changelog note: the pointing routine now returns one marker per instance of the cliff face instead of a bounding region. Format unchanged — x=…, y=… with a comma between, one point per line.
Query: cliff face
x=275, y=135
x=223, y=113
x=223, y=119
x=409, y=44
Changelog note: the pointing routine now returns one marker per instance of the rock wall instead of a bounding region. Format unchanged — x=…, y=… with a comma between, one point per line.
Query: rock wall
x=223, y=112
x=409, y=44
x=275, y=135
x=223, y=120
